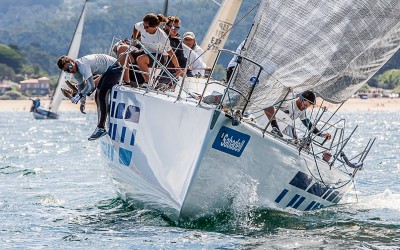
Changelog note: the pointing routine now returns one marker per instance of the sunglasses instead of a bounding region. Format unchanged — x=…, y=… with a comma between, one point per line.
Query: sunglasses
x=68, y=70
x=175, y=27
x=147, y=27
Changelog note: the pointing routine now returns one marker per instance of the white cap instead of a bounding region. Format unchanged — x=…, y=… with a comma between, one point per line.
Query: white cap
x=189, y=34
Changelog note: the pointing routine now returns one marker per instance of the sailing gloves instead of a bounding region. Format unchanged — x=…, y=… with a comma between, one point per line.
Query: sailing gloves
x=75, y=99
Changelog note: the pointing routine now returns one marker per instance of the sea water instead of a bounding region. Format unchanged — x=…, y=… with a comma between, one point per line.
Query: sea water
x=55, y=194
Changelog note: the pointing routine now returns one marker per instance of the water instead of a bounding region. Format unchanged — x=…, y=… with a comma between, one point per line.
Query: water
x=55, y=194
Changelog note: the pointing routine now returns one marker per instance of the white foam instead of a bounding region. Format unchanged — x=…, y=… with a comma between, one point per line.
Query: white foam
x=385, y=200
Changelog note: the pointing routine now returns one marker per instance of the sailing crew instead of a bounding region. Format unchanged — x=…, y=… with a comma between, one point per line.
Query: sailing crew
x=35, y=104
x=189, y=39
x=234, y=61
x=171, y=28
x=194, y=54
x=155, y=41
x=296, y=109
x=83, y=70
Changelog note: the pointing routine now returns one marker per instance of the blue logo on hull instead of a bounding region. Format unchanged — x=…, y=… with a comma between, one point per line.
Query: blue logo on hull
x=231, y=141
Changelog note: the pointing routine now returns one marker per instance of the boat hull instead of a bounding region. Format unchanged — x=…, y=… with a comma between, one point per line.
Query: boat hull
x=40, y=114
x=189, y=161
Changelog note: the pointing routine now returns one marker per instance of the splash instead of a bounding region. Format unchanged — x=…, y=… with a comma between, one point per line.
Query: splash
x=385, y=200
x=244, y=199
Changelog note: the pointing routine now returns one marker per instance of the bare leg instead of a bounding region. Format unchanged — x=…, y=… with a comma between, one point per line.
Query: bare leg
x=143, y=62
x=121, y=60
x=270, y=113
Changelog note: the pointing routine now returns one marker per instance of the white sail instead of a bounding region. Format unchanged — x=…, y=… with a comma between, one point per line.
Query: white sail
x=219, y=30
x=331, y=47
x=73, y=53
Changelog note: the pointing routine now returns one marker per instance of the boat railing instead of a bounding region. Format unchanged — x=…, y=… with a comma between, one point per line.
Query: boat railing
x=229, y=84
x=329, y=152
x=333, y=151
x=159, y=71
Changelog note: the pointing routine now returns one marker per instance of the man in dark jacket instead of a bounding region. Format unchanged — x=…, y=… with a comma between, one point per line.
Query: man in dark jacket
x=172, y=30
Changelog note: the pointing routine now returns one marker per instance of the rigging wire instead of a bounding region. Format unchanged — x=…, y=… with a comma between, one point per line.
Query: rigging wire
x=219, y=4
x=329, y=185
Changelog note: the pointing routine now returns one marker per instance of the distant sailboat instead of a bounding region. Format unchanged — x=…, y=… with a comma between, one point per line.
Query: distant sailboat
x=51, y=113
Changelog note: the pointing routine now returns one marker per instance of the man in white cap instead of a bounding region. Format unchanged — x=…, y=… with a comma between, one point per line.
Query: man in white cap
x=189, y=39
x=194, y=53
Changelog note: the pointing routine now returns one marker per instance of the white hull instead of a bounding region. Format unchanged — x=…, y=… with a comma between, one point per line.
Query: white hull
x=42, y=114
x=189, y=161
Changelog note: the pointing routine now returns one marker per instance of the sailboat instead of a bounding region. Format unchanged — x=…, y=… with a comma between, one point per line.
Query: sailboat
x=51, y=112
x=198, y=148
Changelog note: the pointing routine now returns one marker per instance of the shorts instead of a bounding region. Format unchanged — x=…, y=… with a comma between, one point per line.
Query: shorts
x=138, y=52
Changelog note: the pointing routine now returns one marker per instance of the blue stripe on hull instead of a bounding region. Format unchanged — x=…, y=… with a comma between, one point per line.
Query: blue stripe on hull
x=310, y=206
x=294, y=199
x=299, y=202
x=281, y=195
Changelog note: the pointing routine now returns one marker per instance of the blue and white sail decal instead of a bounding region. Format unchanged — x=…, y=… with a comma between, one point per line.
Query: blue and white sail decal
x=231, y=141
x=304, y=182
x=120, y=114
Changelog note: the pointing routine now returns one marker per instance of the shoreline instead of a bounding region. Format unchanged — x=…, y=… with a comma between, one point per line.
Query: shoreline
x=25, y=105
x=352, y=105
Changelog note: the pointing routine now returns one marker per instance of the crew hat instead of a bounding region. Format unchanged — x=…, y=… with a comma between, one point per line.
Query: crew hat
x=189, y=34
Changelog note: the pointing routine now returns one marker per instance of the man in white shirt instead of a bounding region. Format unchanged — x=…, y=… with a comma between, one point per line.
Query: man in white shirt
x=234, y=61
x=296, y=109
x=194, y=53
x=156, y=42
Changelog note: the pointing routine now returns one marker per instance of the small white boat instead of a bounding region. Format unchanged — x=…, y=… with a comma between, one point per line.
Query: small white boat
x=194, y=149
x=51, y=112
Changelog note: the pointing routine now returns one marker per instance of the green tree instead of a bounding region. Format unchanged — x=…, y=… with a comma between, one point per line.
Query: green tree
x=389, y=79
x=6, y=72
x=10, y=57
x=12, y=95
x=365, y=87
x=35, y=55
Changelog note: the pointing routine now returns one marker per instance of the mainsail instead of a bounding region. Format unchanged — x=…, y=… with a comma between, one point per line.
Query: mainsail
x=331, y=47
x=73, y=53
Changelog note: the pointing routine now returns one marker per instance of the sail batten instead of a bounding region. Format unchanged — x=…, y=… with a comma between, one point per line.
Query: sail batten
x=331, y=47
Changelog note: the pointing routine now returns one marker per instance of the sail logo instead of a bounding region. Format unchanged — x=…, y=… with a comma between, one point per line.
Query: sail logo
x=230, y=141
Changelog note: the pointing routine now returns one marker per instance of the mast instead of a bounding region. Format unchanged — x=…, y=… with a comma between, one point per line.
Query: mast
x=165, y=9
x=72, y=53
x=219, y=30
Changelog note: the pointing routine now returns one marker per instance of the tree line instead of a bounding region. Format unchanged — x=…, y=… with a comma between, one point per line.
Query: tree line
x=34, y=33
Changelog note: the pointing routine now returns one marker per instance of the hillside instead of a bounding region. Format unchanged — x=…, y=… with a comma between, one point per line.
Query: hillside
x=41, y=29
x=45, y=27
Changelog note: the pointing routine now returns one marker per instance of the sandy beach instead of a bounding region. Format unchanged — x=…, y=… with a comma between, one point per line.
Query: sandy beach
x=364, y=105
x=352, y=105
